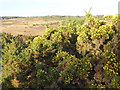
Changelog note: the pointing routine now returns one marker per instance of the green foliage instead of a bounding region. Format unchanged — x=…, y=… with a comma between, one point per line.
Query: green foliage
x=106, y=17
x=82, y=53
x=71, y=68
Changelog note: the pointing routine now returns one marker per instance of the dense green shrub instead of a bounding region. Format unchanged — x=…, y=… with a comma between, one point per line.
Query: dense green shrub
x=75, y=54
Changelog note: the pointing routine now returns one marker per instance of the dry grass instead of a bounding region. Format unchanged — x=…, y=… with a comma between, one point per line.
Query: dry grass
x=26, y=26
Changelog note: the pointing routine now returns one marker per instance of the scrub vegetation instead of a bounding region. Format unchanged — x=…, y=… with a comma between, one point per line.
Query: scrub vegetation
x=78, y=53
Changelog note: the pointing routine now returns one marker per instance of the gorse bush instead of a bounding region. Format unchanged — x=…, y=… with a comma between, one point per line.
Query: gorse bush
x=76, y=54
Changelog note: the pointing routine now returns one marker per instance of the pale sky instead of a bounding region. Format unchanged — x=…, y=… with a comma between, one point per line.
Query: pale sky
x=57, y=7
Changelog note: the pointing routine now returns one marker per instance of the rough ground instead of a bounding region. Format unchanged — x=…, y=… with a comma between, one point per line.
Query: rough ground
x=26, y=26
